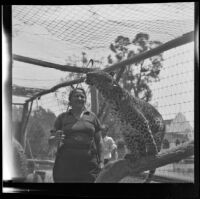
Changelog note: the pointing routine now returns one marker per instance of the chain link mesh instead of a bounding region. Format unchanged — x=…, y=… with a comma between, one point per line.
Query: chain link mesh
x=94, y=26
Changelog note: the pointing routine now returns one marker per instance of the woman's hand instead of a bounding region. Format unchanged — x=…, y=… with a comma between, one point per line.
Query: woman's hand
x=59, y=136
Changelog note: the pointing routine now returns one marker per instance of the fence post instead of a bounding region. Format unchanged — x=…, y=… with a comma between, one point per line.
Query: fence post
x=19, y=134
x=23, y=124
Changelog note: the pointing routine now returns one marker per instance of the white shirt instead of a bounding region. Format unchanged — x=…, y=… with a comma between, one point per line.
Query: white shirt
x=109, y=145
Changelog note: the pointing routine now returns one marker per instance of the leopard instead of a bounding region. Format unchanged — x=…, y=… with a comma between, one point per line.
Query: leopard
x=142, y=126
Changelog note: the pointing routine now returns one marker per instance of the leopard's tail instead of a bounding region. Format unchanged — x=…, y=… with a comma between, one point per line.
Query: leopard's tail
x=149, y=176
x=152, y=172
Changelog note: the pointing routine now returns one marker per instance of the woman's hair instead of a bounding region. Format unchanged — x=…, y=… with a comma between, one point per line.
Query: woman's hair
x=74, y=90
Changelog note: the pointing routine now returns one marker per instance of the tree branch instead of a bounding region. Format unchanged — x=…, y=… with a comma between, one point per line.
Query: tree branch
x=186, y=38
x=67, y=68
x=115, y=171
x=53, y=89
x=25, y=91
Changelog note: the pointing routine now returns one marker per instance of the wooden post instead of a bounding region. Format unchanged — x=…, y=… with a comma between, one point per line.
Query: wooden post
x=25, y=117
x=19, y=134
x=94, y=100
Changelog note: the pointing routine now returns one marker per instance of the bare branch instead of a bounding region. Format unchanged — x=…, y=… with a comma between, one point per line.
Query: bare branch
x=115, y=171
x=25, y=91
x=186, y=38
x=52, y=65
x=68, y=83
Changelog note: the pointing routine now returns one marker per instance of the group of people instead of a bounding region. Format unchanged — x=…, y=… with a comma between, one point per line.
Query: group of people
x=83, y=146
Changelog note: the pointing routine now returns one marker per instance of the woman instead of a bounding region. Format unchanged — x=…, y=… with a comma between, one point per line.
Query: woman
x=33, y=176
x=80, y=156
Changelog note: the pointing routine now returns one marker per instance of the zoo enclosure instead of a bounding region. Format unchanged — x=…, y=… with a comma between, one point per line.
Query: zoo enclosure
x=84, y=33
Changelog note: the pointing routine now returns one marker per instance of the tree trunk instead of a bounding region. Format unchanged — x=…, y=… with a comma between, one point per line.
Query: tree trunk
x=115, y=171
x=94, y=100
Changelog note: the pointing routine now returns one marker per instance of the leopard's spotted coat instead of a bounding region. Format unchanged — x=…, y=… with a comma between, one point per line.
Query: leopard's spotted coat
x=142, y=125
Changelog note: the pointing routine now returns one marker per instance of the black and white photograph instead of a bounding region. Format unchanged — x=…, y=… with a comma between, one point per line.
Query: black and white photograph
x=100, y=93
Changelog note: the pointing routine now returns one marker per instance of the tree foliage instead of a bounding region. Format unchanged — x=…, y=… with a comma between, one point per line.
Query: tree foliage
x=137, y=76
x=38, y=132
x=83, y=61
x=76, y=62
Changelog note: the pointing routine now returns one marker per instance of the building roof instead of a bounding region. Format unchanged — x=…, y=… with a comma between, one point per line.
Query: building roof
x=179, y=124
x=168, y=122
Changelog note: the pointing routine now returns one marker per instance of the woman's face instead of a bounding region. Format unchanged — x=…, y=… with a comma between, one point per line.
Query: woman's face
x=78, y=99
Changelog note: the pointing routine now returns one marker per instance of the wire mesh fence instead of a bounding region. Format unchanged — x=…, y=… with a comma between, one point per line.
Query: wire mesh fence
x=93, y=27
x=173, y=96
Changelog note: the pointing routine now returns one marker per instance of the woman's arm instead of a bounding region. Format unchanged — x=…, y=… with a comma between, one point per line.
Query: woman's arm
x=54, y=137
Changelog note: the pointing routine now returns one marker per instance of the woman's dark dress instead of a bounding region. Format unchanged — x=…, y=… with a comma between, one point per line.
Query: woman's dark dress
x=76, y=159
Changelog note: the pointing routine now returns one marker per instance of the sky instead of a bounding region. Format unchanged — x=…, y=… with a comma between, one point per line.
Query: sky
x=94, y=26
x=139, y=12
x=172, y=94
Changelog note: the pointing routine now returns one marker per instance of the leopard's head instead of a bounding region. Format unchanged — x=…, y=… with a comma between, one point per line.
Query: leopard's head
x=106, y=85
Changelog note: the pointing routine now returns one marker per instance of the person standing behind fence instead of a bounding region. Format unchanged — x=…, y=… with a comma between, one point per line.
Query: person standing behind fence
x=80, y=157
x=110, y=148
x=32, y=177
